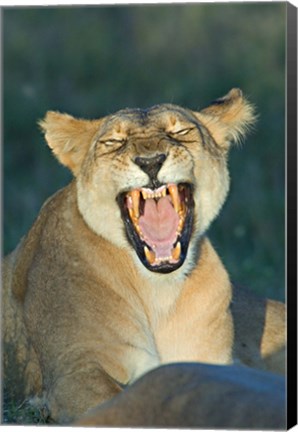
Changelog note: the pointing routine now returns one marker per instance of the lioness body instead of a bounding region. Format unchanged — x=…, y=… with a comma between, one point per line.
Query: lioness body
x=199, y=396
x=84, y=318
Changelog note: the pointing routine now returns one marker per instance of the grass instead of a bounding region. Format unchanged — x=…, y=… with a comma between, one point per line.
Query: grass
x=23, y=414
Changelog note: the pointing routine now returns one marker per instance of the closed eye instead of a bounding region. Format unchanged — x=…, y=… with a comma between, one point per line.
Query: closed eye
x=113, y=141
x=182, y=132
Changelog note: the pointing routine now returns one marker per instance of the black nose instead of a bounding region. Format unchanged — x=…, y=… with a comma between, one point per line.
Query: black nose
x=151, y=165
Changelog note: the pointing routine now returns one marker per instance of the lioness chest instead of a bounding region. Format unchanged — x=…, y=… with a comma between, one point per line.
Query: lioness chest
x=101, y=302
x=160, y=328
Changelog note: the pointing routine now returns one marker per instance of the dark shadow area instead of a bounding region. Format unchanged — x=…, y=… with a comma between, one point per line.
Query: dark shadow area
x=253, y=320
x=248, y=311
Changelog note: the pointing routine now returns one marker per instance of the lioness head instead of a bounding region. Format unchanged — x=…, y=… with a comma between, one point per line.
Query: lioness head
x=152, y=179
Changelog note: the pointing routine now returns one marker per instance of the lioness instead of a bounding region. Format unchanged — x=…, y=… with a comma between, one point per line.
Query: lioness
x=116, y=275
x=196, y=395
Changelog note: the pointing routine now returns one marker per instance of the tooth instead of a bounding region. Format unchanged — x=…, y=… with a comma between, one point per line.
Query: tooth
x=129, y=201
x=133, y=216
x=138, y=230
x=182, y=210
x=150, y=255
x=180, y=225
x=161, y=191
x=173, y=190
x=135, y=196
x=176, y=252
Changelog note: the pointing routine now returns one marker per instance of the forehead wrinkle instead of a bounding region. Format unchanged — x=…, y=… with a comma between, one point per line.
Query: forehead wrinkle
x=143, y=118
x=126, y=120
x=174, y=109
x=132, y=114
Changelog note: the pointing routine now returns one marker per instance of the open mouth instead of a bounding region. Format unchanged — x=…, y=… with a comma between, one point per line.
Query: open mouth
x=159, y=223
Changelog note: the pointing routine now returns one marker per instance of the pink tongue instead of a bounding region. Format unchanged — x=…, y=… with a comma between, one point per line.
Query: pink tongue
x=159, y=224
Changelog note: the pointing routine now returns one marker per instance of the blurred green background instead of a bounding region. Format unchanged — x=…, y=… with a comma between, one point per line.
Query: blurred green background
x=91, y=61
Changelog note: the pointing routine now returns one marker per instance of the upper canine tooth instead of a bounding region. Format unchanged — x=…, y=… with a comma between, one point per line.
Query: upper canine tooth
x=129, y=201
x=173, y=190
x=132, y=216
x=180, y=226
x=182, y=210
x=135, y=196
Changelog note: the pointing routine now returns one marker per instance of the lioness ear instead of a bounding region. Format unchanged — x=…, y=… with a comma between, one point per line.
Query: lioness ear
x=68, y=137
x=228, y=118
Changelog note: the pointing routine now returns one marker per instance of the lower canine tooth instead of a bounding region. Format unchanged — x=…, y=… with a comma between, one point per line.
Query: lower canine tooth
x=150, y=255
x=176, y=252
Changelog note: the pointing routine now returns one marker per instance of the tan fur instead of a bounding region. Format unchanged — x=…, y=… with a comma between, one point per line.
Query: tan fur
x=200, y=396
x=83, y=315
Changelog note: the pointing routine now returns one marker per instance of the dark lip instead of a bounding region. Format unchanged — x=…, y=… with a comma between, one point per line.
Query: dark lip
x=138, y=244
